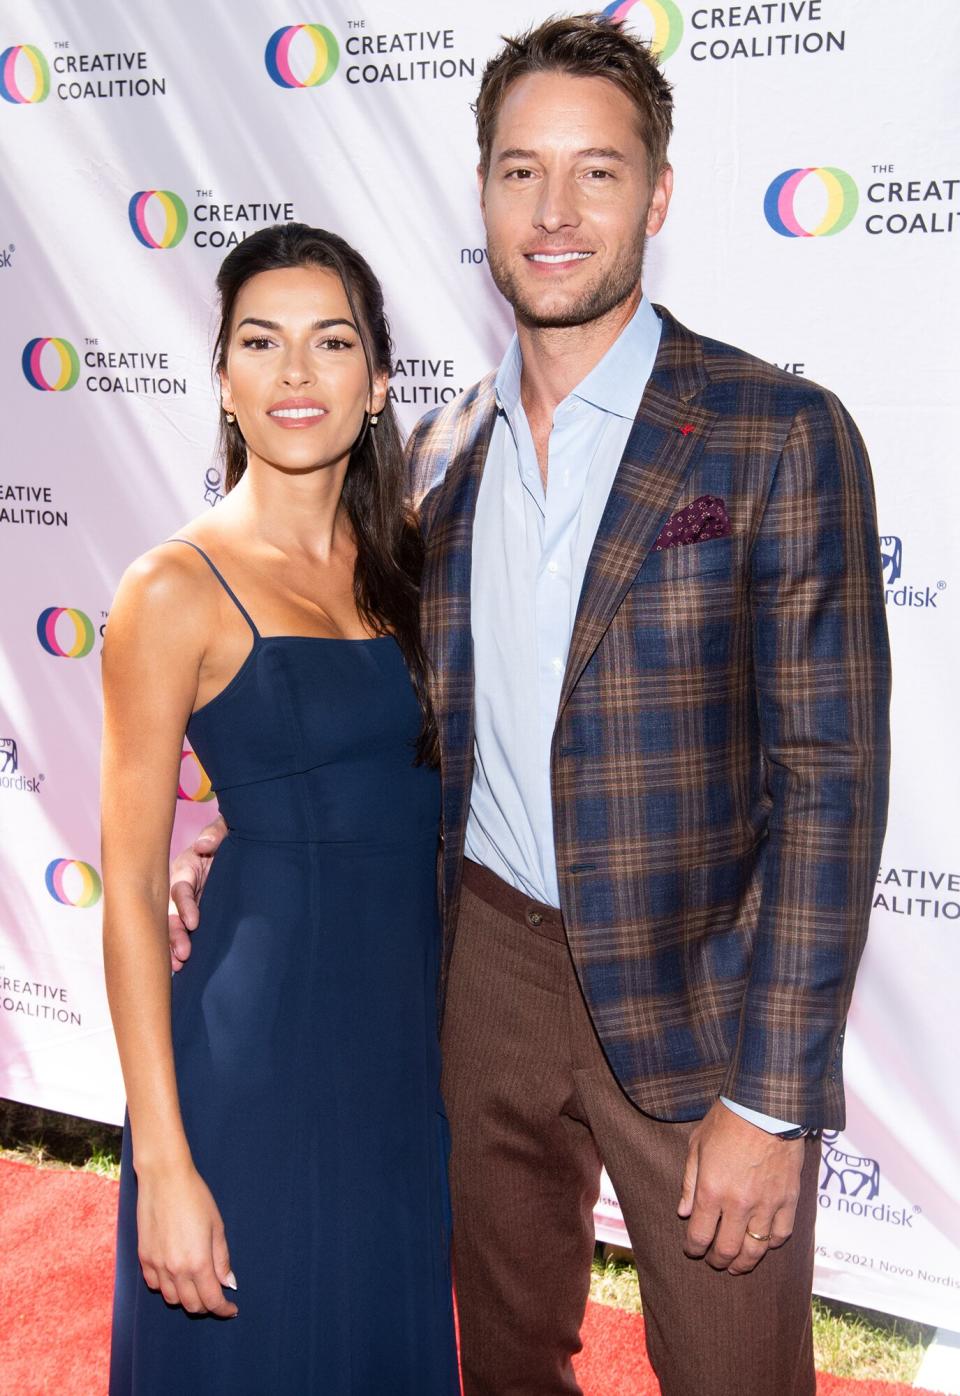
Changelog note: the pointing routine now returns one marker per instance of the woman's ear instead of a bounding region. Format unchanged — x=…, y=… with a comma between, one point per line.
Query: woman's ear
x=226, y=396
x=377, y=400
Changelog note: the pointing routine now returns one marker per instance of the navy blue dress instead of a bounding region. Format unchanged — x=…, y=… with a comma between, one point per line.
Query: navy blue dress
x=305, y=1042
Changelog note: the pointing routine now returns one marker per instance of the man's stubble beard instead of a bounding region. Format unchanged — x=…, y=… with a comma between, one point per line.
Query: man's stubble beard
x=594, y=302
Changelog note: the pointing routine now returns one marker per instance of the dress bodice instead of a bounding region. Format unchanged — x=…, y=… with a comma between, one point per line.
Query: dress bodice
x=313, y=740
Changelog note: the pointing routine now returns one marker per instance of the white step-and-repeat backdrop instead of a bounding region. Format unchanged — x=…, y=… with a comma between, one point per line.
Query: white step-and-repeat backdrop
x=815, y=222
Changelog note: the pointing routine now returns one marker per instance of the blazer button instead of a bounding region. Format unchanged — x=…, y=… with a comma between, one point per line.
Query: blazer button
x=534, y=918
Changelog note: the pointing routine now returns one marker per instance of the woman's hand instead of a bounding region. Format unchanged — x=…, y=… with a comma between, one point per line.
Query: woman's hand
x=182, y=1244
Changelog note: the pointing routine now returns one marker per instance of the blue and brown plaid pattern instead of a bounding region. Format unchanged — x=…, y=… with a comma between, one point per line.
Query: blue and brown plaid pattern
x=719, y=763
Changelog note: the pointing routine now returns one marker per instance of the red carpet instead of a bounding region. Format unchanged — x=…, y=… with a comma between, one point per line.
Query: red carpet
x=56, y=1270
x=56, y=1279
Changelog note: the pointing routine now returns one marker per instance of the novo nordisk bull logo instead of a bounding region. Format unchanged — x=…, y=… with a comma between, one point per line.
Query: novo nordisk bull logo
x=848, y=1174
x=904, y=595
x=851, y=1183
x=11, y=776
x=891, y=555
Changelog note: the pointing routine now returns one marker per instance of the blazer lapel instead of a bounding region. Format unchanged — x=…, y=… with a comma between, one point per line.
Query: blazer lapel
x=449, y=543
x=445, y=612
x=665, y=441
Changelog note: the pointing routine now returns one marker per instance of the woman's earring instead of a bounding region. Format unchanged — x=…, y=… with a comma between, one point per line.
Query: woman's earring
x=229, y=416
x=374, y=419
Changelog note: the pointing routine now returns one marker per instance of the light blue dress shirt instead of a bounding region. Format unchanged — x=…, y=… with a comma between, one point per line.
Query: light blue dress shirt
x=530, y=552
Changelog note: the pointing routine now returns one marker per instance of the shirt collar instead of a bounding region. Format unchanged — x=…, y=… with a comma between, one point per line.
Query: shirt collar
x=615, y=384
x=506, y=385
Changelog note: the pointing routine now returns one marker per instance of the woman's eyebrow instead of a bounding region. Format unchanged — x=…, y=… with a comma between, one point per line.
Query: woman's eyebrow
x=273, y=325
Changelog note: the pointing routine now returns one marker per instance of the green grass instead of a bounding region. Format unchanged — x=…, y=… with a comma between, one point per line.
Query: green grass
x=867, y=1345
x=847, y=1342
x=105, y=1165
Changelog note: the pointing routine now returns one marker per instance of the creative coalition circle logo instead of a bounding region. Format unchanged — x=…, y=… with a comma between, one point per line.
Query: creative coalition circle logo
x=72, y=883
x=32, y=82
x=158, y=218
x=780, y=201
x=50, y=365
x=65, y=632
x=194, y=782
x=316, y=55
x=666, y=18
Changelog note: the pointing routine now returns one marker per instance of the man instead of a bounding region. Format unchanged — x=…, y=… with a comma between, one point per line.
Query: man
x=652, y=602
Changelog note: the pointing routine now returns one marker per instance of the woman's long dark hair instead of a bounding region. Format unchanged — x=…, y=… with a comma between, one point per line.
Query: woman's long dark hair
x=386, y=581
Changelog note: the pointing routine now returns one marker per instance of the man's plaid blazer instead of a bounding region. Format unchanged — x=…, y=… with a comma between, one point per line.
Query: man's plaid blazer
x=719, y=762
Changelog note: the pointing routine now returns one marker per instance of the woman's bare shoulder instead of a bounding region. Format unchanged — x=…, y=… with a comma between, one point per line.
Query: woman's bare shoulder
x=169, y=582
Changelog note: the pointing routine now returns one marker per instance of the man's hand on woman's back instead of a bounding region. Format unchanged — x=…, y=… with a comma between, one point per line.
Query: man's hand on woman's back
x=188, y=873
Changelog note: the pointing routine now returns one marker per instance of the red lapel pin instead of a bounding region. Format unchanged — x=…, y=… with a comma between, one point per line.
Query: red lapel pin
x=686, y=429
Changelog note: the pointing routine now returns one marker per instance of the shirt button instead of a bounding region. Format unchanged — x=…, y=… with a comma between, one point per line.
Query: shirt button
x=552, y=567
x=557, y=666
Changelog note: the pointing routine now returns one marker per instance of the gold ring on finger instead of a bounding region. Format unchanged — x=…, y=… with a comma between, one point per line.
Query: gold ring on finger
x=753, y=1235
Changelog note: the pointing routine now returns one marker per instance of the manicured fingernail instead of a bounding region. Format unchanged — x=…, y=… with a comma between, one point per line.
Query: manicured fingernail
x=231, y=1281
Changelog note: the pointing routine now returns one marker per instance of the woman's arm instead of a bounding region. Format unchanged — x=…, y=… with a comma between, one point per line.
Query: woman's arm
x=153, y=649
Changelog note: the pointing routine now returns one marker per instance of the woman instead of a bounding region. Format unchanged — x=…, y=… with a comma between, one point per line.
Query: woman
x=283, y=1211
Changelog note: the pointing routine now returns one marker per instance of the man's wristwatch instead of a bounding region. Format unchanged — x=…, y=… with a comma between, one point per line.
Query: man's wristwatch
x=800, y=1132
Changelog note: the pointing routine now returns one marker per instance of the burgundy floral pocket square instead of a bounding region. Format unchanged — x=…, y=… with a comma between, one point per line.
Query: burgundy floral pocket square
x=705, y=518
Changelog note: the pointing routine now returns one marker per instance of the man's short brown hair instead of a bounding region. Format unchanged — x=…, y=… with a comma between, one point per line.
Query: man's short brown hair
x=584, y=46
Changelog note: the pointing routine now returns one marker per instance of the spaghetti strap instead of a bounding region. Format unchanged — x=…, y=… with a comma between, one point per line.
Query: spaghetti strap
x=223, y=582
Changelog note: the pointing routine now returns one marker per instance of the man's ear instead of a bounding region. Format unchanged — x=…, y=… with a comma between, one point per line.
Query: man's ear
x=660, y=201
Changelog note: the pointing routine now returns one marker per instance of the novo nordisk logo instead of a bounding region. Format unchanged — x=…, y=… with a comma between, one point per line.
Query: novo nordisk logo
x=891, y=557
x=11, y=776
x=851, y=1183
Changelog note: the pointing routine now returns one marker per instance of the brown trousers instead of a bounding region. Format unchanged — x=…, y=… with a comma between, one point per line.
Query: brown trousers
x=534, y=1109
